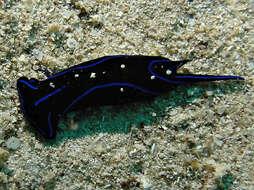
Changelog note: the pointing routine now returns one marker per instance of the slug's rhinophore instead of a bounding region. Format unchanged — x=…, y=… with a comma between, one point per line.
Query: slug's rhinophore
x=107, y=80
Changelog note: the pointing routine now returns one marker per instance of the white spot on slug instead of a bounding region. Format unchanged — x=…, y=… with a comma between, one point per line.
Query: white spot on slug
x=93, y=75
x=122, y=66
x=76, y=75
x=52, y=84
x=168, y=72
x=152, y=77
x=121, y=89
x=104, y=72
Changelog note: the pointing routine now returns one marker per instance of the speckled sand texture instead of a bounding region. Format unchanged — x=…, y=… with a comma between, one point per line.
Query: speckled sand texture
x=51, y=35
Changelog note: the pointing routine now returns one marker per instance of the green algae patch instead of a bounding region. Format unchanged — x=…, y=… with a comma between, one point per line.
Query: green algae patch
x=224, y=182
x=1, y=84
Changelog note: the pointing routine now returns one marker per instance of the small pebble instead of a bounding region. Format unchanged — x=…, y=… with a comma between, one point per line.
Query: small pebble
x=173, y=112
x=220, y=109
x=190, y=92
x=3, y=178
x=4, y=155
x=13, y=143
x=97, y=19
x=67, y=15
x=145, y=182
x=209, y=93
x=71, y=43
x=38, y=54
x=218, y=142
x=38, y=146
x=23, y=59
x=54, y=27
x=154, y=148
x=28, y=4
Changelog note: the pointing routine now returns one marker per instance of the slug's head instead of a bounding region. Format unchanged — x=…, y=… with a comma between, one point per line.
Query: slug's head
x=166, y=70
x=29, y=92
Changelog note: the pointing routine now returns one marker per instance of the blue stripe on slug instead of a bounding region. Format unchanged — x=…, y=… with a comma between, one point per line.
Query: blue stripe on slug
x=50, y=94
x=31, y=86
x=108, y=85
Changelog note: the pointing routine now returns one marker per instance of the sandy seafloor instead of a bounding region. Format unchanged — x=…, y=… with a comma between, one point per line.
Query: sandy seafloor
x=214, y=151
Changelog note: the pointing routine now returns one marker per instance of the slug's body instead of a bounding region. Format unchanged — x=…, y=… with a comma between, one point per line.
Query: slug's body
x=107, y=80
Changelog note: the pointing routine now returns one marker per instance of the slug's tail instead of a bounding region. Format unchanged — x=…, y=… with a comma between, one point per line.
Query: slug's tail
x=190, y=78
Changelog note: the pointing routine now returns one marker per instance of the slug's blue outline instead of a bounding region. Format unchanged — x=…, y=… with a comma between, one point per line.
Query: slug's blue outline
x=107, y=85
